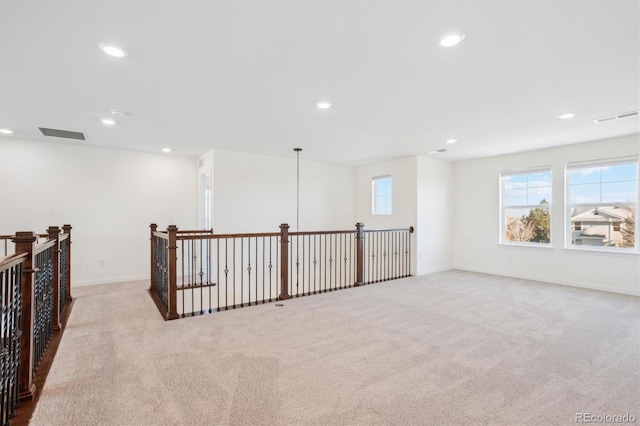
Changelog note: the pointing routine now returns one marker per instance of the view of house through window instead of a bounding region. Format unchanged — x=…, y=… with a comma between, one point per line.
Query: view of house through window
x=602, y=204
x=526, y=207
x=381, y=195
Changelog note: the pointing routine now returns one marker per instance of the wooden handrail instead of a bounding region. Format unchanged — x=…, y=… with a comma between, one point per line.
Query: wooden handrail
x=410, y=229
x=196, y=231
x=276, y=234
x=44, y=246
x=301, y=233
x=12, y=260
x=222, y=236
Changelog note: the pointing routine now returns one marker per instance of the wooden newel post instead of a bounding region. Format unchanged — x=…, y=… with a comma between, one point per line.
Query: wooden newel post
x=25, y=242
x=359, y=254
x=54, y=234
x=284, y=261
x=67, y=230
x=172, y=312
x=154, y=228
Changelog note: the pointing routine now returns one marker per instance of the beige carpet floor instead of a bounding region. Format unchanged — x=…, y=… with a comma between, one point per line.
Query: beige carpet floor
x=451, y=348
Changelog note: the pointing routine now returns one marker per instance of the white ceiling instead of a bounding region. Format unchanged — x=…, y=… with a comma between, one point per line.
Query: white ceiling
x=246, y=75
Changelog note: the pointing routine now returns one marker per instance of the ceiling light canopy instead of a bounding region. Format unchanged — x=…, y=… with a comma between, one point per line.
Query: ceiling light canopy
x=6, y=131
x=113, y=50
x=324, y=105
x=451, y=38
x=107, y=122
x=566, y=115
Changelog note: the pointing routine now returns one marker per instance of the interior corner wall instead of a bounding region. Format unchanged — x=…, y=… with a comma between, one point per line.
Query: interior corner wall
x=110, y=197
x=435, y=215
x=403, y=172
x=257, y=193
x=476, y=231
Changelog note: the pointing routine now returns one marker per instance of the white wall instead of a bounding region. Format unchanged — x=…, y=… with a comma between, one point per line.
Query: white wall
x=403, y=173
x=256, y=193
x=422, y=198
x=109, y=197
x=476, y=198
x=435, y=215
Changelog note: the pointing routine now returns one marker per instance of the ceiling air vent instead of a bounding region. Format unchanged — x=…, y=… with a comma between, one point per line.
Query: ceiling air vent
x=617, y=117
x=62, y=133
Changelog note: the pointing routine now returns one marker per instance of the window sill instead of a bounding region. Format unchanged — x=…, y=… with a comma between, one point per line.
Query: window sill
x=530, y=245
x=620, y=252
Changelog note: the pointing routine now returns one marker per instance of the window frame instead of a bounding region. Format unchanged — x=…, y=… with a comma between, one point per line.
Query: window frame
x=387, y=196
x=568, y=205
x=502, y=239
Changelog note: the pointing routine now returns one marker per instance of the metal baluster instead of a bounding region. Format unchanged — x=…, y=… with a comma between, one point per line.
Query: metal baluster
x=309, y=264
x=201, y=273
x=183, y=274
x=209, y=271
x=5, y=401
x=303, y=269
x=256, y=269
x=315, y=262
x=241, y=272
x=218, y=271
x=270, y=267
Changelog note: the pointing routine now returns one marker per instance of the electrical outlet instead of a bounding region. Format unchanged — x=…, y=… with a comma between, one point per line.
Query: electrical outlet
x=100, y=262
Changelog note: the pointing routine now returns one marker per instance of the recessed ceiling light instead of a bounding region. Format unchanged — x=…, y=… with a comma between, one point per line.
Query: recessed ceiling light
x=107, y=122
x=113, y=50
x=324, y=105
x=566, y=115
x=452, y=140
x=450, y=39
x=166, y=149
x=6, y=131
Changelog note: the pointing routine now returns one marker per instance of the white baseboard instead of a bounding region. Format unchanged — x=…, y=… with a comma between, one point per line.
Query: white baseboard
x=554, y=281
x=434, y=270
x=109, y=281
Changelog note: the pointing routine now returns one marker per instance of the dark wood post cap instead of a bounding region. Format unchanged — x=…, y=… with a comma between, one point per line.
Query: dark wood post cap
x=24, y=237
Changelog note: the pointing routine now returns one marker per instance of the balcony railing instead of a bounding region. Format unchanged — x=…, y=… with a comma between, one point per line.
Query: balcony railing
x=199, y=272
x=35, y=291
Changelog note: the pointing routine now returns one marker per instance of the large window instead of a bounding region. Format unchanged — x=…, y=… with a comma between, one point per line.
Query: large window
x=526, y=207
x=381, y=195
x=602, y=201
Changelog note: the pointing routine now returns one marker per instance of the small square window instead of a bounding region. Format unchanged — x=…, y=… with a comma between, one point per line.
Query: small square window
x=381, y=195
